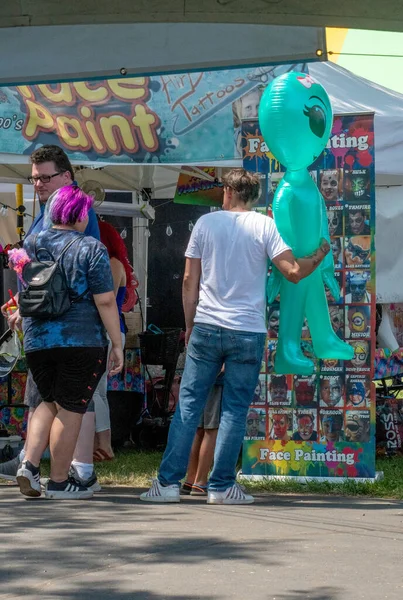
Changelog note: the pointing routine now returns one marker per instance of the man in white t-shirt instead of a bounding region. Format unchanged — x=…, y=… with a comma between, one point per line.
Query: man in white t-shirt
x=224, y=304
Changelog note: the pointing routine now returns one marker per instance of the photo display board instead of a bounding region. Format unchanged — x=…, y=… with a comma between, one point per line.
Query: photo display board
x=324, y=425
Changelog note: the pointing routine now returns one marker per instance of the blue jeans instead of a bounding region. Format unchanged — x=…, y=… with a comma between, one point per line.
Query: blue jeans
x=209, y=348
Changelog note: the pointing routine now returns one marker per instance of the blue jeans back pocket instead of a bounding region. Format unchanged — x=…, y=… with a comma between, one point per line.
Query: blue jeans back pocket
x=249, y=347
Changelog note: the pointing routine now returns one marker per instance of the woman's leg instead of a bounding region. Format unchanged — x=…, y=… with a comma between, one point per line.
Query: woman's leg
x=85, y=443
x=63, y=439
x=194, y=456
x=43, y=372
x=103, y=434
x=79, y=372
x=102, y=420
x=206, y=456
x=40, y=426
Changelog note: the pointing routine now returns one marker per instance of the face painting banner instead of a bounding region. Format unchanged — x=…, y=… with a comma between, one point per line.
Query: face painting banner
x=178, y=118
x=192, y=189
x=323, y=425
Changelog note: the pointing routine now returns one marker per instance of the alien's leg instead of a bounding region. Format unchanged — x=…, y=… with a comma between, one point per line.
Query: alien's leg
x=289, y=356
x=325, y=342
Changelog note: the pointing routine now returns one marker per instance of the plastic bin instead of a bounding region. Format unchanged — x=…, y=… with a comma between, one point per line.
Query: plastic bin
x=10, y=446
x=160, y=348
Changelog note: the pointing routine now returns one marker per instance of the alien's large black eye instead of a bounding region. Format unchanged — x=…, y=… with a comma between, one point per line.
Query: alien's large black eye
x=317, y=119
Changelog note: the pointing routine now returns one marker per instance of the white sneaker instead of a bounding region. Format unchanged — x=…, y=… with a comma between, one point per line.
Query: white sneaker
x=161, y=493
x=28, y=481
x=232, y=495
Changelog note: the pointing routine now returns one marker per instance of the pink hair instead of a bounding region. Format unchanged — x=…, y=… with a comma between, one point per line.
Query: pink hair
x=69, y=205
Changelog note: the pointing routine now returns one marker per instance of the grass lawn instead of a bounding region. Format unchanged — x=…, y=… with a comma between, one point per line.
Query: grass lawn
x=136, y=468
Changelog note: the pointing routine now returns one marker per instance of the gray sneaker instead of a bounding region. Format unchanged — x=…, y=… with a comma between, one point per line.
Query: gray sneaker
x=8, y=470
x=91, y=483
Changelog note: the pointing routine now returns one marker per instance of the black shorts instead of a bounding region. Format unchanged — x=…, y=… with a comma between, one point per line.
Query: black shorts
x=68, y=376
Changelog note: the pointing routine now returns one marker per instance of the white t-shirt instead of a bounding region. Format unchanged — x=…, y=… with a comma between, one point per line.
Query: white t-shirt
x=233, y=248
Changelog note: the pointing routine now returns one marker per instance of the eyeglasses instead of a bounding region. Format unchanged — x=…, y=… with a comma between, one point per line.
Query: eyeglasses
x=43, y=178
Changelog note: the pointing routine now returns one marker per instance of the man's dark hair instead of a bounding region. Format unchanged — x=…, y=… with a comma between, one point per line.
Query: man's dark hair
x=361, y=211
x=245, y=184
x=337, y=419
x=278, y=380
x=51, y=153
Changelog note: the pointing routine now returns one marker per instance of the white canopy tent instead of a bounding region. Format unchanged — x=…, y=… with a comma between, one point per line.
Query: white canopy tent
x=349, y=94
x=352, y=94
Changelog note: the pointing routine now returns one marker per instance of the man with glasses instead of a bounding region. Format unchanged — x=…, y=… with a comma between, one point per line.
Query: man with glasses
x=51, y=170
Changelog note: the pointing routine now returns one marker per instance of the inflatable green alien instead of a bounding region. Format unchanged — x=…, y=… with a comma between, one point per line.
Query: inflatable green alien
x=295, y=117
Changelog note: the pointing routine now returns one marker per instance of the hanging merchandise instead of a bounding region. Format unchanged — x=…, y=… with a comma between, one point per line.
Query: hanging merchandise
x=323, y=425
x=295, y=117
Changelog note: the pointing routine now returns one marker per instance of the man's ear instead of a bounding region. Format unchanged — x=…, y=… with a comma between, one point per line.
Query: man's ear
x=67, y=178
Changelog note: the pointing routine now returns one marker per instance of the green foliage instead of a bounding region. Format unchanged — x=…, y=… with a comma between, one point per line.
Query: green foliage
x=136, y=468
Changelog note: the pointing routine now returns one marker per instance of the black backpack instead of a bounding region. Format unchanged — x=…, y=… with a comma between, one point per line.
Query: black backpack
x=47, y=295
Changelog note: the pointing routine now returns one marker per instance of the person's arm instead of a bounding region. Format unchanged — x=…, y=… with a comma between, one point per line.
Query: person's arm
x=108, y=311
x=117, y=273
x=100, y=284
x=14, y=319
x=8, y=305
x=296, y=269
x=190, y=292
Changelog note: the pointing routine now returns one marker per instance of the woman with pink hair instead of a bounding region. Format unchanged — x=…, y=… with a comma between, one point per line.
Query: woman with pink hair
x=67, y=353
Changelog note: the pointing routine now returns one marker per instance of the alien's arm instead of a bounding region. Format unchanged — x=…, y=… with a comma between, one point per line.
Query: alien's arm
x=281, y=212
x=327, y=266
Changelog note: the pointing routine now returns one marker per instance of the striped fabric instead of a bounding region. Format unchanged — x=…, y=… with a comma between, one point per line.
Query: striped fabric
x=155, y=490
x=235, y=493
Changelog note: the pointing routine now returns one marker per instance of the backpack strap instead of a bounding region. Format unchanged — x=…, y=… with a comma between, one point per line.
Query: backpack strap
x=61, y=256
x=35, y=238
x=67, y=246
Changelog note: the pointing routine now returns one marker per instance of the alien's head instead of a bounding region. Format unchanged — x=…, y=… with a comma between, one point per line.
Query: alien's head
x=295, y=117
